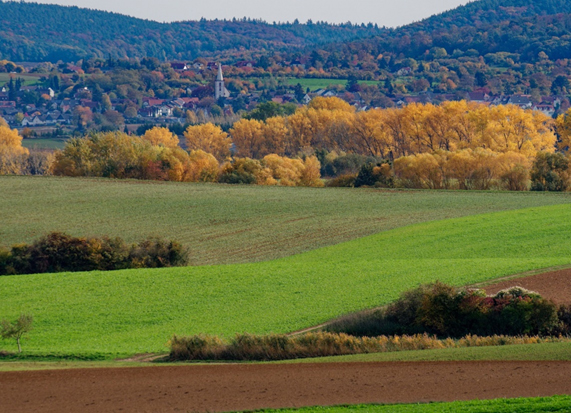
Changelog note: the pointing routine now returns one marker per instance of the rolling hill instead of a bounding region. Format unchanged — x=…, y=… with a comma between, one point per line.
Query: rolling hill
x=136, y=311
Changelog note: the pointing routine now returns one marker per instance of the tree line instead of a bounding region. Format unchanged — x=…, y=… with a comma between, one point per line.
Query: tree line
x=453, y=145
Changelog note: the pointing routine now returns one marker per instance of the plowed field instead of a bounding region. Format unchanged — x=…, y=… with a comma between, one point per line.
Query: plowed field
x=218, y=388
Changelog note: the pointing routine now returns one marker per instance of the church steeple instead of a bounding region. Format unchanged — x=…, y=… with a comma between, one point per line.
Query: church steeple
x=220, y=90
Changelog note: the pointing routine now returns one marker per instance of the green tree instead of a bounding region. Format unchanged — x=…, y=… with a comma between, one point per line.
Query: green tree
x=550, y=172
x=17, y=329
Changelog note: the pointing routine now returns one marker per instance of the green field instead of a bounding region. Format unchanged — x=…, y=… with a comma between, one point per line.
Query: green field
x=520, y=352
x=41, y=143
x=28, y=80
x=223, y=224
x=522, y=405
x=136, y=311
x=314, y=84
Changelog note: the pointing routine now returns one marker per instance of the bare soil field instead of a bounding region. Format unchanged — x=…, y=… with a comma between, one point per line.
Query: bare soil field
x=555, y=285
x=218, y=388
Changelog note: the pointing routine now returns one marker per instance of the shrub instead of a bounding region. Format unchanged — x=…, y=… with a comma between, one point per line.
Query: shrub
x=550, y=172
x=380, y=175
x=342, y=181
x=321, y=344
x=241, y=171
x=59, y=252
x=442, y=310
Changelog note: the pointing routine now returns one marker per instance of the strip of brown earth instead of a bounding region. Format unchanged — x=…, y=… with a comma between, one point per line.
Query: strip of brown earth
x=218, y=388
x=555, y=285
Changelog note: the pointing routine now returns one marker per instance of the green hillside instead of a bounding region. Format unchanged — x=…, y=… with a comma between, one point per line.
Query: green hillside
x=137, y=311
x=224, y=224
x=47, y=32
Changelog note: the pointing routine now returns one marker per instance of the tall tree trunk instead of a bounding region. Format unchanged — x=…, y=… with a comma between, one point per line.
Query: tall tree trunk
x=19, y=346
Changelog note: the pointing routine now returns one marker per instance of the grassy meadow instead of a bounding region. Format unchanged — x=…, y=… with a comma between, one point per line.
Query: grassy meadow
x=316, y=83
x=44, y=143
x=522, y=405
x=223, y=224
x=27, y=79
x=136, y=311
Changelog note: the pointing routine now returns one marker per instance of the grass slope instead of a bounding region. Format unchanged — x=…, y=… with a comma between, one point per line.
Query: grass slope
x=231, y=224
x=522, y=405
x=137, y=311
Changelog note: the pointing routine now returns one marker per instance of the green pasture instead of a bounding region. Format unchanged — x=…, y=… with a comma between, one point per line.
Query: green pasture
x=28, y=80
x=44, y=143
x=225, y=224
x=522, y=405
x=136, y=311
x=314, y=84
x=519, y=352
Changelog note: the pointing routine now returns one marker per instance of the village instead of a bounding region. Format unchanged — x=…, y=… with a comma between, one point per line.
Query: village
x=40, y=109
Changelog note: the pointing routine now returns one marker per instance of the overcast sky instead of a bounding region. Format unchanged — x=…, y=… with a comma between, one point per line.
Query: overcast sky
x=384, y=12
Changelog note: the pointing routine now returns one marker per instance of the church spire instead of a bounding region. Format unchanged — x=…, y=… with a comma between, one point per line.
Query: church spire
x=220, y=90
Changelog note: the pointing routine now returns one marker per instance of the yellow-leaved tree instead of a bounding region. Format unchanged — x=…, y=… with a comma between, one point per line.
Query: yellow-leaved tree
x=12, y=154
x=203, y=167
x=208, y=138
x=158, y=136
x=563, y=125
x=248, y=136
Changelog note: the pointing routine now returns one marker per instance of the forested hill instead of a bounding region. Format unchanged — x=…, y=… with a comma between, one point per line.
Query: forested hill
x=523, y=28
x=41, y=32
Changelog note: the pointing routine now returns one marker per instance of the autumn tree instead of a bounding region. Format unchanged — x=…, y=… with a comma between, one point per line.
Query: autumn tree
x=12, y=154
x=158, y=136
x=203, y=167
x=208, y=138
x=370, y=134
x=249, y=138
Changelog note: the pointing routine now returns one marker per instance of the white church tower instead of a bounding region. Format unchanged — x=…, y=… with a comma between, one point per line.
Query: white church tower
x=220, y=90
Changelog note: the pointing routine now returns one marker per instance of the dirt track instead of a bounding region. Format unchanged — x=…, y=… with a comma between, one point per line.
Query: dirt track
x=217, y=388
x=555, y=285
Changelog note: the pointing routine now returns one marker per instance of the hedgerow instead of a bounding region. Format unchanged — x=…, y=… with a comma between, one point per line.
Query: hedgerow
x=59, y=252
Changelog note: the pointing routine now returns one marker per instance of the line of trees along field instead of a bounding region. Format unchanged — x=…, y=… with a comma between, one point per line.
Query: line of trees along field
x=454, y=145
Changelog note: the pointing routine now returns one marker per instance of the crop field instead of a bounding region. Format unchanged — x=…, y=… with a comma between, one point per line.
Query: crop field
x=314, y=84
x=223, y=224
x=522, y=405
x=28, y=80
x=136, y=311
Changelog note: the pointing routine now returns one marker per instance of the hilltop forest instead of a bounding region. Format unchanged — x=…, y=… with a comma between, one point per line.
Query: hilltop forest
x=40, y=32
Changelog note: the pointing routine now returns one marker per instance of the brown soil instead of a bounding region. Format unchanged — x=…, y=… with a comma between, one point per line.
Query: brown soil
x=555, y=285
x=217, y=388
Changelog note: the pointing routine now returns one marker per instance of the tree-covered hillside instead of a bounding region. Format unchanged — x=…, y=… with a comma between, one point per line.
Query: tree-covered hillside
x=523, y=28
x=40, y=32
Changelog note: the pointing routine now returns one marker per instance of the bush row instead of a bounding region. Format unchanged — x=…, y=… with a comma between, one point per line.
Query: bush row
x=59, y=252
x=322, y=344
x=448, y=312
x=117, y=155
x=478, y=169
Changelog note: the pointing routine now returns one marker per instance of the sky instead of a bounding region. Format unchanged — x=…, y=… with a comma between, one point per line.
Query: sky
x=388, y=13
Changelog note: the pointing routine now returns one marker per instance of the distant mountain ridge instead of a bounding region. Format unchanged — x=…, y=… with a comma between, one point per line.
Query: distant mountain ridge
x=45, y=32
